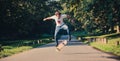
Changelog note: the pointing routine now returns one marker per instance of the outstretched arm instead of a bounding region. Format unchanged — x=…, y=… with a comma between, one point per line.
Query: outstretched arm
x=48, y=18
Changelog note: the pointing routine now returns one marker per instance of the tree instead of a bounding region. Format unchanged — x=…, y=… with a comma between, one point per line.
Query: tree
x=102, y=15
x=24, y=18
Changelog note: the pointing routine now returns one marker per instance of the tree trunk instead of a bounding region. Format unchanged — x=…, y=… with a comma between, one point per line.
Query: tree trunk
x=118, y=28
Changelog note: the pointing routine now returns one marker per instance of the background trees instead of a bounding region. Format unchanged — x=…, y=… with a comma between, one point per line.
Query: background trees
x=95, y=15
x=24, y=18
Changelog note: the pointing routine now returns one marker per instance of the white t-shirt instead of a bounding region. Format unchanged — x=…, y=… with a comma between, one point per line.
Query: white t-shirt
x=59, y=21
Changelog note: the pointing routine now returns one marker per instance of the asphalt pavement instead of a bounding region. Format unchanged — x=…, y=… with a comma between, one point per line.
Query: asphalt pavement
x=73, y=51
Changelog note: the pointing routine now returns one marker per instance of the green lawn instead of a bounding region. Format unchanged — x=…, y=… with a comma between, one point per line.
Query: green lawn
x=17, y=46
x=85, y=35
x=109, y=47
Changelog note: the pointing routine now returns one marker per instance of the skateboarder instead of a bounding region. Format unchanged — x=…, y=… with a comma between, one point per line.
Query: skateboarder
x=58, y=17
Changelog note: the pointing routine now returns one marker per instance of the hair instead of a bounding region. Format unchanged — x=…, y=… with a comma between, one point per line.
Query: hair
x=58, y=12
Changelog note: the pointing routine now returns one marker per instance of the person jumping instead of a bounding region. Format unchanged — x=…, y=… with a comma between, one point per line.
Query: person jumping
x=58, y=17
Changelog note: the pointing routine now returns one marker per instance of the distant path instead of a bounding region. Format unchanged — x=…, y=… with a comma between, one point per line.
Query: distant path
x=74, y=51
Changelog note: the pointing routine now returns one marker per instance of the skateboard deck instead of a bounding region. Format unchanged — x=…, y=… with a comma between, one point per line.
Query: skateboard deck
x=61, y=45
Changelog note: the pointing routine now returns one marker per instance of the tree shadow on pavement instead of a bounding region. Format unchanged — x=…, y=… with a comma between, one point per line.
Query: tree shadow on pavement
x=114, y=57
x=78, y=43
x=70, y=43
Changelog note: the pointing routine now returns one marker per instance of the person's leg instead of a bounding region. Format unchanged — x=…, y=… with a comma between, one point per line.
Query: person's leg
x=55, y=35
x=65, y=27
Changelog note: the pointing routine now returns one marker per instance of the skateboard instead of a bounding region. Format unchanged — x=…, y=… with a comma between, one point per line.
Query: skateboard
x=61, y=45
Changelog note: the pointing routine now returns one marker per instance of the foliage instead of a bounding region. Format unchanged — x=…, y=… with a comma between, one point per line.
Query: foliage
x=24, y=18
x=94, y=15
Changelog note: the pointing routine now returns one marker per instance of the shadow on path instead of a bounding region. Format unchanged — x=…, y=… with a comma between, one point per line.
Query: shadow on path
x=75, y=42
x=70, y=43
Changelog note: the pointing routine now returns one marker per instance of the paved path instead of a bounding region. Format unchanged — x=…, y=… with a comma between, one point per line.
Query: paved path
x=74, y=51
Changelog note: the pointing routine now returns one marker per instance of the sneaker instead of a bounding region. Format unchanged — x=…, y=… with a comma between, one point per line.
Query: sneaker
x=56, y=45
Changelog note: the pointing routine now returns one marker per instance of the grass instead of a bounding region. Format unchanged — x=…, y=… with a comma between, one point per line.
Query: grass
x=84, y=34
x=110, y=47
x=17, y=46
x=8, y=50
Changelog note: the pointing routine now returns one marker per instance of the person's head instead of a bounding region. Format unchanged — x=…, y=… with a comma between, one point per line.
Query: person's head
x=57, y=13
